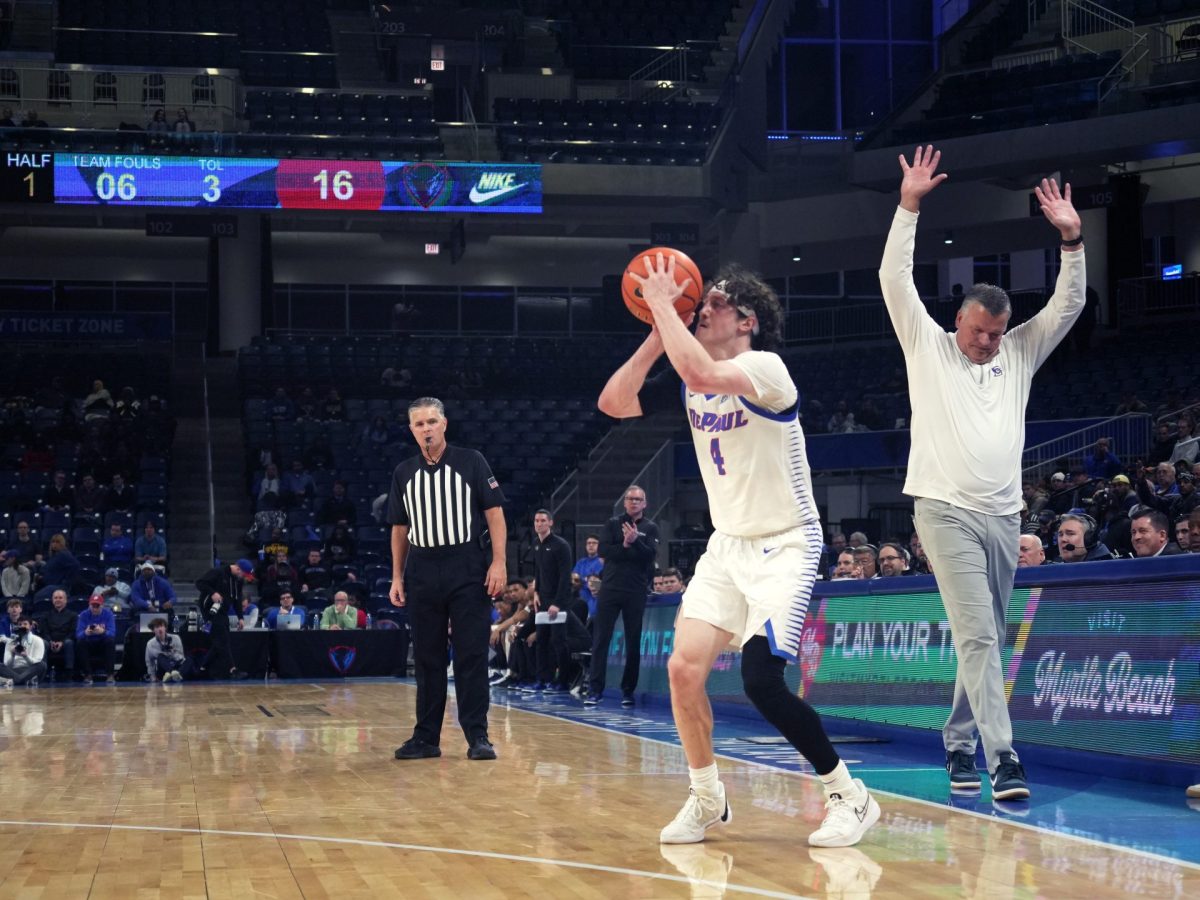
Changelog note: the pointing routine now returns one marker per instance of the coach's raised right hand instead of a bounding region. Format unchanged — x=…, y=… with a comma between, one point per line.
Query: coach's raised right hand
x=919, y=178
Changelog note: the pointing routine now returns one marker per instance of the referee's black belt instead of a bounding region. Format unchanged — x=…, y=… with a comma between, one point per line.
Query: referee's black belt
x=447, y=550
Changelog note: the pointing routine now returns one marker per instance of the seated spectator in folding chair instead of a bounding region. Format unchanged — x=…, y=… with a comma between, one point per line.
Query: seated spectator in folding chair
x=117, y=547
x=150, y=591
x=121, y=496
x=151, y=547
x=339, y=616
x=57, y=628
x=16, y=581
x=24, y=656
x=9, y=622
x=60, y=570
x=287, y=607
x=165, y=659
x=95, y=640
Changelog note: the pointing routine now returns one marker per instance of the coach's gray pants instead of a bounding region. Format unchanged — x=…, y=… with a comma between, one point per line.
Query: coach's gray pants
x=974, y=558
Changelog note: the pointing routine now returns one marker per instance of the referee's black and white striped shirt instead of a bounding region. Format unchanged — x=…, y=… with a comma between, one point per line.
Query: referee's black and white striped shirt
x=443, y=504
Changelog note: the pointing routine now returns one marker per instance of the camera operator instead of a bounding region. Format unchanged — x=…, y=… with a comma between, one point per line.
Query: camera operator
x=24, y=656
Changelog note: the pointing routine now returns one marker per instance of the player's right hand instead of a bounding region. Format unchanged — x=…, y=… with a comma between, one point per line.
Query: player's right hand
x=396, y=594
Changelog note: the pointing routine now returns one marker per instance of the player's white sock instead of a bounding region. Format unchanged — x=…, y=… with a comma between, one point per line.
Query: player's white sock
x=839, y=781
x=705, y=780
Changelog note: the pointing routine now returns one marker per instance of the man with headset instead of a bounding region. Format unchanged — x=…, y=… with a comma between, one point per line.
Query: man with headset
x=1077, y=539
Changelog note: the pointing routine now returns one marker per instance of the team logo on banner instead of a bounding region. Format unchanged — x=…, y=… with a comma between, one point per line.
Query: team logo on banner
x=342, y=658
x=425, y=183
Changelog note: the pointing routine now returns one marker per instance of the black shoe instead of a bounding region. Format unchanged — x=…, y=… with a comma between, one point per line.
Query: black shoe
x=1008, y=781
x=415, y=748
x=239, y=675
x=481, y=748
x=627, y=701
x=961, y=766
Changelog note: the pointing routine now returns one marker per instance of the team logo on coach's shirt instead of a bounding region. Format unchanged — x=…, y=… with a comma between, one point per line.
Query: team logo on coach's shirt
x=996, y=370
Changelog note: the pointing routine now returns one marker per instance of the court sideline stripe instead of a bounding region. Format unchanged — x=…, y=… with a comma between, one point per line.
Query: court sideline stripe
x=1095, y=842
x=391, y=845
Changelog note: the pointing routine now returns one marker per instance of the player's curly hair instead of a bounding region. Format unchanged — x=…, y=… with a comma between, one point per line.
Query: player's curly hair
x=745, y=288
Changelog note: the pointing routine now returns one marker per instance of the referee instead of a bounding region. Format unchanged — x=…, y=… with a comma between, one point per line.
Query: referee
x=438, y=504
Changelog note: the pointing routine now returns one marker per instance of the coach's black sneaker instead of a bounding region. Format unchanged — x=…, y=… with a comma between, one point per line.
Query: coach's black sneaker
x=481, y=748
x=1008, y=781
x=961, y=766
x=627, y=701
x=414, y=748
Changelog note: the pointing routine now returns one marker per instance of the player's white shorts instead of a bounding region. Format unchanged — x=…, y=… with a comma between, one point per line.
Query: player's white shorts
x=761, y=585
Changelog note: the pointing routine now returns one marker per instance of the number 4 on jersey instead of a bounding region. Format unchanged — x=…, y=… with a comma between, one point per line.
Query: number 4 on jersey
x=714, y=448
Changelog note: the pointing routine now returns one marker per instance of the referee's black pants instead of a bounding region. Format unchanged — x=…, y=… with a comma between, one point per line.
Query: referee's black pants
x=631, y=608
x=444, y=589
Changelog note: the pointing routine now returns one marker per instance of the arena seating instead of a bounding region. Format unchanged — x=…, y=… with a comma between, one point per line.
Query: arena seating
x=396, y=116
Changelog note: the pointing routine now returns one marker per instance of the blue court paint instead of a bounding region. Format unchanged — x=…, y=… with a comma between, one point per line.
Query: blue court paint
x=1150, y=818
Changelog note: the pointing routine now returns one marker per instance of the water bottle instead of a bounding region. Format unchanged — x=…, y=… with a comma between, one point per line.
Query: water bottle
x=191, y=619
x=368, y=621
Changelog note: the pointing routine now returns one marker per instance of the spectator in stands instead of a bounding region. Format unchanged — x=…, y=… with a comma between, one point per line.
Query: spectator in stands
x=1165, y=480
x=332, y=408
x=1100, y=461
x=591, y=563
x=359, y=592
x=846, y=567
x=857, y=539
x=339, y=616
x=1035, y=497
x=1149, y=532
x=838, y=421
x=865, y=558
x=1031, y=553
x=249, y=612
x=656, y=584
x=150, y=547
x=117, y=547
x=377, y=435
x=1187, y=445
x=14, y=608
x=275, y=543
x=1130, y=403
x=15, y=579
x=95, y=640
x=338, y=508
x=893, y=560
x=1182, y=535
x=837, y=543
x=25, y=545
x=115, y=592
x=341, y=546
x=1194, y=531
x=1078, y=540
x=184, y=127
x=1121, y=493
x=128, y=407
x=307, y=408
x=918, y=561
x=314, y=575
x=298, y=486
x=165, y=659
x=24, y=656
x=1175, y=505
x=1062, y=495
x=121, y=496
x=57, y=628
x=60, y=570
x=280, y=576
x=269, y=491
x=158, y=128
x=89, y=496
x=59, y=496
x=150, y=591
x=281, y=408
x=98, y=404
x=1163, y=445
x=286, y=607
x=594, y=584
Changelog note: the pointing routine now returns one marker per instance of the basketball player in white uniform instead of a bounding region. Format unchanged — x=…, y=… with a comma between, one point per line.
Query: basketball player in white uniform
x=752, y=586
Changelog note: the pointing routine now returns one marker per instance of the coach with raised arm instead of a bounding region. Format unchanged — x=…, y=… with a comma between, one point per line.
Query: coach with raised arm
x=969, y=389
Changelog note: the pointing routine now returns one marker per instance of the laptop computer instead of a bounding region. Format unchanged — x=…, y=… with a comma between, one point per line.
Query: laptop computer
x=289, y=622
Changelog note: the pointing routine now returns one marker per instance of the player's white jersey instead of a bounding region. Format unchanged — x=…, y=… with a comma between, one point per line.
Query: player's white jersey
x=751, y=452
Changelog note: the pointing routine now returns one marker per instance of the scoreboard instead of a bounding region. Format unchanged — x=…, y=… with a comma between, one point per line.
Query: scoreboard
x=206, y=182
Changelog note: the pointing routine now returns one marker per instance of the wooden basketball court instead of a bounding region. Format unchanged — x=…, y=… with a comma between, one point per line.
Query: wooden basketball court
x=290, y=790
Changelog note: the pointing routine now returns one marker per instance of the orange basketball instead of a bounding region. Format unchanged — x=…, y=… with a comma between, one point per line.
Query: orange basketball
x=685, y=304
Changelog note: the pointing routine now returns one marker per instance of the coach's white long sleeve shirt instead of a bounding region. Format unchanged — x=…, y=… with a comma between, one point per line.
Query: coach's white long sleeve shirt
x=968, y=420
